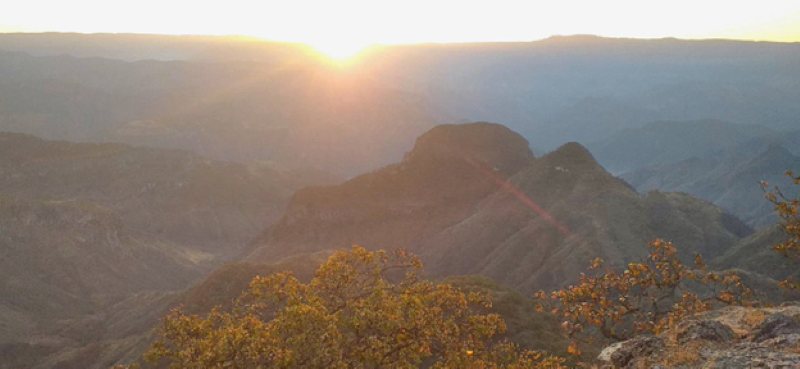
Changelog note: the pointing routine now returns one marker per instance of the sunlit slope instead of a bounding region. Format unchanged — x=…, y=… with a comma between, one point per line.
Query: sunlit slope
x=473, y=205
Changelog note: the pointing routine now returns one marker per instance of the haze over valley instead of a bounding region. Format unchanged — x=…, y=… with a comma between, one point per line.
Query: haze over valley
x=143, y=173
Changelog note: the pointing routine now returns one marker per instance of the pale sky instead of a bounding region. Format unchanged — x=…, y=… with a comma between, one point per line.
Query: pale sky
x=356, y=23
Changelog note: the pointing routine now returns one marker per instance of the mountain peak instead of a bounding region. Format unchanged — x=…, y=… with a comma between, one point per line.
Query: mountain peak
x=574, y=155
x=776, y=150
x=489, y=144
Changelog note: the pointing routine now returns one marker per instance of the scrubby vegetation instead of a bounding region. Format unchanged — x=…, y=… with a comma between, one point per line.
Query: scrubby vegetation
x=363, y=309
x=787, y=210
x=647, y=297
x=372, y=309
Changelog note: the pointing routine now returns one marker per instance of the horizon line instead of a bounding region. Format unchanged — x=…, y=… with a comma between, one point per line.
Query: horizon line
x=264, y=39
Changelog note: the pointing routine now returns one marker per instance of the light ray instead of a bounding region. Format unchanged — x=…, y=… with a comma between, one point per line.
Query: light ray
x=509, y=187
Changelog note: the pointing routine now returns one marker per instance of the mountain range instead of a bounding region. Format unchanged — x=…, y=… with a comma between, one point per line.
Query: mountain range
x=730, y=180
x=471, y=206
x=469, y=198
x=245, y=99
x=96, y=239
x=141, y=173
x=206, y=205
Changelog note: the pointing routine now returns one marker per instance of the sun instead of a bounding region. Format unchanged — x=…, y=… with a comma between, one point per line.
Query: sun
x=339, y=49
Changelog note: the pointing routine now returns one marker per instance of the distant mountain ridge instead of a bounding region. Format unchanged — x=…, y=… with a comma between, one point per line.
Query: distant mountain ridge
x=95, y=240
x=433, y=187
x=729, y=179
x=173, y=195
x=671, y=141
x=244, y=99
x=531, y=225
x=64, y=261
x=295, y=113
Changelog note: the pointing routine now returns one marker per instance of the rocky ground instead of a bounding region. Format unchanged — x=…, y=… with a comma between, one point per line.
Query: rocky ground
x=734, y=337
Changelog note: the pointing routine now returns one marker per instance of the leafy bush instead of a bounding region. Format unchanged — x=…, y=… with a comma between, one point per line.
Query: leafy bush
x=362, y=310
x=787, y=210
x=647, y=297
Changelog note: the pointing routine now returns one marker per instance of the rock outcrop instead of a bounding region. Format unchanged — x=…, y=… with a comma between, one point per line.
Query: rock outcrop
x=734, y=337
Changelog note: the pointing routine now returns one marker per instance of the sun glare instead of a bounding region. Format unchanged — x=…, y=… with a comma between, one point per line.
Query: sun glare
x=338, y=49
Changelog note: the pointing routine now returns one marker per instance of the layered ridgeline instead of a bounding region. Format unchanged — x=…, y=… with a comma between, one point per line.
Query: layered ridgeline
x=63, y=262
x=754, y=253
x=95, y=239
x=665, y=142
x=239, y=99
x=295, y=112
x=171, y=195
x=729, y=178
x=472, y=199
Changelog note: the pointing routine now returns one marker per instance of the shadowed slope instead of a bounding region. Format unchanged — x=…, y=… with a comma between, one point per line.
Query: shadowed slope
x=64, y=259
x=537, y=229
x=179, y=196
x=437, y=185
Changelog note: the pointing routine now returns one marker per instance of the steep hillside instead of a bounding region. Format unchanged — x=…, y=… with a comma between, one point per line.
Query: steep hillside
x=528, y=223
x=172, y=195
x=562, y=211
x=729, y=179
x=62, y=260
x=438, y=184
x=755, y=254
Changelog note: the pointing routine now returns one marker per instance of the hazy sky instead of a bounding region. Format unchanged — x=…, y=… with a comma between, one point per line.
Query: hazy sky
x=356, y=23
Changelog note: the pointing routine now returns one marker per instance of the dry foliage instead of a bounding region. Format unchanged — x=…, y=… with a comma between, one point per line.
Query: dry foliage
x=647, y=297
x=363, y=309
x=787, y=210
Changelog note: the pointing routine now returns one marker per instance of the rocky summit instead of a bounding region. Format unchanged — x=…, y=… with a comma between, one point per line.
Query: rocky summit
x=472, y=199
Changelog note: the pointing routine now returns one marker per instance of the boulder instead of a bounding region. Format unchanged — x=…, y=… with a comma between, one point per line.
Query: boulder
x=624, y=354
x=709, y=330
x=776, y=325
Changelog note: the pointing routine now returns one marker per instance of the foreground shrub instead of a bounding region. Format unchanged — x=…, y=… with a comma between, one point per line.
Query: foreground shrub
x=790, y=222
x=647, y=297
x=362, y=310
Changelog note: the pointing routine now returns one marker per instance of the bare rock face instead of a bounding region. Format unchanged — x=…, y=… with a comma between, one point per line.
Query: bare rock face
x=708, y=330
x=734, y=337
x=622, y=354
x=776, y=325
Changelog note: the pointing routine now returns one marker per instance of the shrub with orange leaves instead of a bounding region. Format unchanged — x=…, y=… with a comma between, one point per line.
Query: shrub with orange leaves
x=647, y=297
x=790, y=222
x=363, y=309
